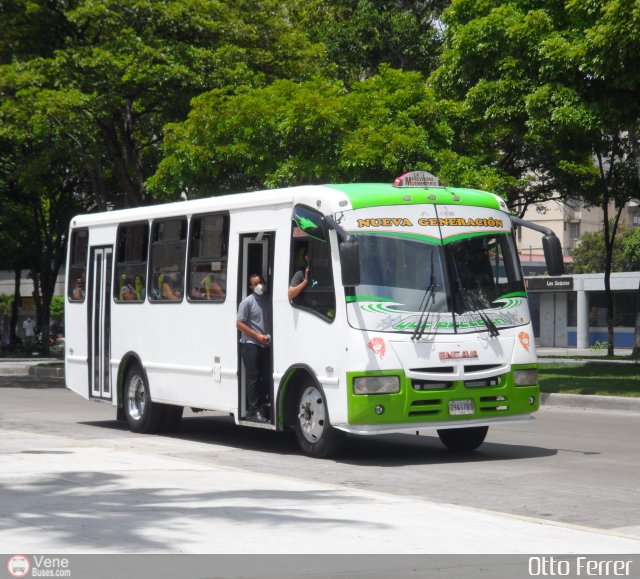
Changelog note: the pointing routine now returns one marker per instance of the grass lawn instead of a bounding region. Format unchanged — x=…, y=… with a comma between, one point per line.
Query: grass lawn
x=601, y=379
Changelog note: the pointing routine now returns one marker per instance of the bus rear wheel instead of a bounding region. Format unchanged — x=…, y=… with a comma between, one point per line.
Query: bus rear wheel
x=143, y=415
x=315, y=435
x=463, y=439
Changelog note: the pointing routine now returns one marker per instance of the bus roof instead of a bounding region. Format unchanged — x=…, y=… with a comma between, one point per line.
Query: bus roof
x=338, y=197
x=377, y=194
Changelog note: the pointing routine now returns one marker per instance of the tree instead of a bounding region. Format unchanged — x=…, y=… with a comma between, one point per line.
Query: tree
x=589, y=255
x=312, y=132
x=42, y=199
x=553, y=88
x=114, y=73
x=362, y=35
x=492, y=63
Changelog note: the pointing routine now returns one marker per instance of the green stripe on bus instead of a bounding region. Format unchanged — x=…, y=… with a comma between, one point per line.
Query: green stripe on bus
x=413, y=236
x=363, y=195
x=463, y=236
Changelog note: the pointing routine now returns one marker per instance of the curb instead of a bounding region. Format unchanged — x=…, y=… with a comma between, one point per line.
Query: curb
x=48, y=372
x=591, y=401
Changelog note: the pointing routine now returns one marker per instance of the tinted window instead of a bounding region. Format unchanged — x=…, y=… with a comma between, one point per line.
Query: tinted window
x=208, y=258
x=168, y=249
x=131, y=262
x=77, y=283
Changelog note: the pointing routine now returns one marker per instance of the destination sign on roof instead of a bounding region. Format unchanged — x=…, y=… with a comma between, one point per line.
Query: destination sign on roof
x=417, y=179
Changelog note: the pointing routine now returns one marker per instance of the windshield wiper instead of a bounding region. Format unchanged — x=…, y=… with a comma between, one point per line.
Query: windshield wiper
x=429, y=294
x=476, y=309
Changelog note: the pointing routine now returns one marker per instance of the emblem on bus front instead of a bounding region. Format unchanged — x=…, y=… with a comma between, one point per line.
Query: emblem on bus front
x=377, y=346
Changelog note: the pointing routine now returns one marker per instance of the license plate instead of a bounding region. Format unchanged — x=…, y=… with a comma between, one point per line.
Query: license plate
x=458, y=407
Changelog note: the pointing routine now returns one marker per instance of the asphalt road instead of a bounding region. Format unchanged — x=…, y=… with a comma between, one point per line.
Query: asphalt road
x=73, y=478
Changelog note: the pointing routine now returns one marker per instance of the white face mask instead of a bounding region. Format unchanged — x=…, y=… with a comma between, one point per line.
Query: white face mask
x=260, y=289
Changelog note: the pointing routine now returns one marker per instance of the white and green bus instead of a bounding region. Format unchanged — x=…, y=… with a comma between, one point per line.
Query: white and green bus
x=415, y=317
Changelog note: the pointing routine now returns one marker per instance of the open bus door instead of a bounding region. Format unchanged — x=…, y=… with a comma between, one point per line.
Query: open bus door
x=256, y=256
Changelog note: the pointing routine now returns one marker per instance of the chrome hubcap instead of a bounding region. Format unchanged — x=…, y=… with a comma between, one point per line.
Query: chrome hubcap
x=312, y=414
x=136, y=397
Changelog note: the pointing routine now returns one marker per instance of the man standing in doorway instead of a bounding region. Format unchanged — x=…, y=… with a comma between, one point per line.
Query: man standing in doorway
x=254, y=324
x=29, y=329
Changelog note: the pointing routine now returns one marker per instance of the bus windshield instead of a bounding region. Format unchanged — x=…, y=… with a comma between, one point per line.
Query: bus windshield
x=467, y=285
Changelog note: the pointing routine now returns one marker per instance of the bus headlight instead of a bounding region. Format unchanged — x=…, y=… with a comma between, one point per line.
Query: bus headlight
x=525, y=377
x=376, y=384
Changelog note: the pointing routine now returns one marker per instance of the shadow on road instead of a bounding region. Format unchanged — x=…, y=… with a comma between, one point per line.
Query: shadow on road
x=383, y=450
x=110, y=511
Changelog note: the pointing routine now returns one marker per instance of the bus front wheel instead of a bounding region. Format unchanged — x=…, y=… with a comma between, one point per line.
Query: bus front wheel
x=315, y=435
x=143, y=415
x=463, y=439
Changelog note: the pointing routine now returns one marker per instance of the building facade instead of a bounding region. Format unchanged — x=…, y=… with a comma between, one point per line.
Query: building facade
x=570, y=311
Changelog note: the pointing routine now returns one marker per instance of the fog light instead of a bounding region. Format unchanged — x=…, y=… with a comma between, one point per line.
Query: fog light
x=379, y=409
x=531, y=400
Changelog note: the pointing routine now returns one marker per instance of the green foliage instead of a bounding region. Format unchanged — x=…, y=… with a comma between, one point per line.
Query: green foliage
x=56, y=309
x=589, y=255
x=294, y=133
x=535, y=134
x=6, y=303
x=361, y=35
x=122, y=70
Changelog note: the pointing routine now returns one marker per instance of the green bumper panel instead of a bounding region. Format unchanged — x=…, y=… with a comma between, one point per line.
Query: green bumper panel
x=432, y=404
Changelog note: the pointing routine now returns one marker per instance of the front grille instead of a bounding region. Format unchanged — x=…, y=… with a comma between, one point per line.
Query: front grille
x=430, y=385
x=483, y=382
x=499, y=403
x=434, y=370
x=480, y=368
x=425, y=407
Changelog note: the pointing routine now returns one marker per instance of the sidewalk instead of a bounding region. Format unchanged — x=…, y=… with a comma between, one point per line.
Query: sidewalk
x=558, y=354
x=37, y=367
x=570, y=352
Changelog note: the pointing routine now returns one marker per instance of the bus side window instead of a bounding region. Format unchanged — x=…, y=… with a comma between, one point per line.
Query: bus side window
x=77, y=282
x=167, y=256
x=318, y=297
x=131, y=262
x=208, y=242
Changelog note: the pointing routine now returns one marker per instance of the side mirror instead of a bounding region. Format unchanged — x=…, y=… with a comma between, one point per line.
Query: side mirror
x=553, y=254
x=350, y=262
x=550, y=245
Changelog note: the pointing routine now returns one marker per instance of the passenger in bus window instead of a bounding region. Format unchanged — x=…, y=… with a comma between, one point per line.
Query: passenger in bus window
x=302, y=278
x=78, y=290
x=127, y=292
x=254, y=324
x=213, y=283
x=170, y=285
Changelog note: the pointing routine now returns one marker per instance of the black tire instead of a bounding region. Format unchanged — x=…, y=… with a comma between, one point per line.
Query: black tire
x=316, y=437
x=463, y=439
x=172, y=418
x=142, y=414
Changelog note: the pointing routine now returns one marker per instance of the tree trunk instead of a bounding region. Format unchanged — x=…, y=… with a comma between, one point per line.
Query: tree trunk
x=636, y=346
x=13, y=336
x=609, y=241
